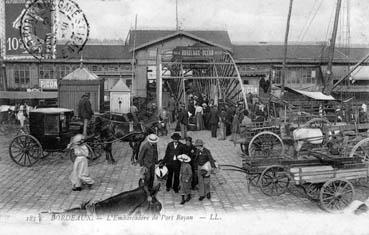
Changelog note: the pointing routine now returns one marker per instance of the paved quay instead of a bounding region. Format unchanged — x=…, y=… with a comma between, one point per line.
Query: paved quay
x=46, y=186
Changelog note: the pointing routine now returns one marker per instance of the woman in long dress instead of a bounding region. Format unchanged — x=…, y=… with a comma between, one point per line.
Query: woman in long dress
x=199, y=118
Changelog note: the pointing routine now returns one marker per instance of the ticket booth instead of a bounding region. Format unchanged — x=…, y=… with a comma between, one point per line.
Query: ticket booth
x=120, y=97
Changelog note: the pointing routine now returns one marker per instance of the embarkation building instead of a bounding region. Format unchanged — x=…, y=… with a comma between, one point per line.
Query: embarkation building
x=135, y=62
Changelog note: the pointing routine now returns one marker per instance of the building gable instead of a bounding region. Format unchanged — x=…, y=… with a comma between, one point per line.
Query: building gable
x=140, y=39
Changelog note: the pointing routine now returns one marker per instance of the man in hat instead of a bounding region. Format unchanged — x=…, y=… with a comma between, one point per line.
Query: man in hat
x=147, y=158
x=85, y=111
x=213, y=121
x=205, y=162
x=183, y=120
x=174, y=149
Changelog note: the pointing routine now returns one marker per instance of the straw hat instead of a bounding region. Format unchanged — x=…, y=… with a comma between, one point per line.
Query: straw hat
x=184, y=158
x=152, y=138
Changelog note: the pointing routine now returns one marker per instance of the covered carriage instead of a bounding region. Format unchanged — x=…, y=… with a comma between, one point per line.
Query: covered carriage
x=50, y=131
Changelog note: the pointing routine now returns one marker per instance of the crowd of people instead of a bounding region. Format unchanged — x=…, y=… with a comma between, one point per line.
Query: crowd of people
x=202, y=113
x=187, y=166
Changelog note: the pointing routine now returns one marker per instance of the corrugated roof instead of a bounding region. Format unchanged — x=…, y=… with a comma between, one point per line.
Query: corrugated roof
x=105, y=52
x=81, y=74
x=148, y=37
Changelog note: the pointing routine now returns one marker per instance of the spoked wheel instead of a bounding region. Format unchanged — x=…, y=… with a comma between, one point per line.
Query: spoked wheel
x=96, y=150
x=312, y=190
x=274, y=181
x=254, y=179
x=317, y=123
x=361, y=150
x=25, y=150
x=336, y=195
x=266, y=144
x=244, y=148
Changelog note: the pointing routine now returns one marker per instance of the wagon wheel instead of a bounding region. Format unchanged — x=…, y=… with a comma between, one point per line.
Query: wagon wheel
x=336, y=195
x=361, y=150
x=244, y=148
x=316, y=123
x=91, y=155
x=266, y=144
x=253, y=179
x=274, y=181
x=25, y=150
x=96, y=150
x=312, y=190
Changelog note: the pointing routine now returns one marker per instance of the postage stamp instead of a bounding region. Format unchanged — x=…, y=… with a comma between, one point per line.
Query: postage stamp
x=46, y=22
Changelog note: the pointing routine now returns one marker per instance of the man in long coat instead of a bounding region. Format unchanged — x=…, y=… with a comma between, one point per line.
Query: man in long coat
x=213, y=121
x=147, y=158
x=174, y=149
x=183, y=121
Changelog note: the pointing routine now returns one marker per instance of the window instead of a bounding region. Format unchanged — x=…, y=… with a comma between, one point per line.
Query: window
x=62, y=71
x=51, y=124
x=21, y=74
x=306, y=75
x=46, y=72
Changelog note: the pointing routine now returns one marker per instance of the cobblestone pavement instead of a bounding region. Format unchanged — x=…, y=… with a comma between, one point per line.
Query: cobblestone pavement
x=46, y=186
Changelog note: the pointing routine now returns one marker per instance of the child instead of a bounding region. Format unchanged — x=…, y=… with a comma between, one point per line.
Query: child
x=185, y=176
x=80, y=172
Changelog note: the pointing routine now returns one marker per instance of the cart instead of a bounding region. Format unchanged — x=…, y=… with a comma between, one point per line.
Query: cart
x=324, y=179
x=50, y=131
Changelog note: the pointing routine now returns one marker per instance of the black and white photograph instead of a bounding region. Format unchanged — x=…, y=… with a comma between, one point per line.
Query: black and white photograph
x=184, y=117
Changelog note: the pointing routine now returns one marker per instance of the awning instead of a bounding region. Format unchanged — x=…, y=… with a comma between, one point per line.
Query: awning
x=23, y=95
x=316, y=95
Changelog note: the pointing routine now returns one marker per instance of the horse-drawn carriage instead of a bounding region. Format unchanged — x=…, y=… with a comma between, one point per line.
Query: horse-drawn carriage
x=50, y=130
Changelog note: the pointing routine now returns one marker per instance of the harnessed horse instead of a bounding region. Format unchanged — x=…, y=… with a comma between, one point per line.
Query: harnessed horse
x=110, y=131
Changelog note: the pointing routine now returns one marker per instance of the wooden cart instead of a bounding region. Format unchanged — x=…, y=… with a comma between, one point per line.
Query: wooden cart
x=324, y=179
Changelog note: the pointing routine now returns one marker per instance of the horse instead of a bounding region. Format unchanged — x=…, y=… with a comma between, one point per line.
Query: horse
x=110, y=131
x=134, y=202
x=313, y=136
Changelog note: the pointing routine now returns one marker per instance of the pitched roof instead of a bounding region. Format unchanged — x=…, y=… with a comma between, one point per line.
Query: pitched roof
x=148, y=37
x=296, y=53
x=81, y=74
x=101, y=52
x=120, y=86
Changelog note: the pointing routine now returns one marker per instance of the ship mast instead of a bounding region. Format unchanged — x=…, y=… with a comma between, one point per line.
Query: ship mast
x=284, y=70
x=328, y=81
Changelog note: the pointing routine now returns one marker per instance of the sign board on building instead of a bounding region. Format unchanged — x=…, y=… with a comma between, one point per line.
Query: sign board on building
x=151, y=72
x=253, y=89
x=14, y=10
x=197, y=52
x=49, y=84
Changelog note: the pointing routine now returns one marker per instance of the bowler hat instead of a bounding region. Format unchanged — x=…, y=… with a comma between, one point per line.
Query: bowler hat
x=176, y=136
x=199, y=142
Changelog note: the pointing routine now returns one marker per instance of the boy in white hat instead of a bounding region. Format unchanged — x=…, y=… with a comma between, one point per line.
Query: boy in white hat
x=80, y=174
x=185, y=176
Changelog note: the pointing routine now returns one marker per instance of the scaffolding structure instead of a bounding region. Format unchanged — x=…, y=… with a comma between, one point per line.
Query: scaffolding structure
x=201, y=70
